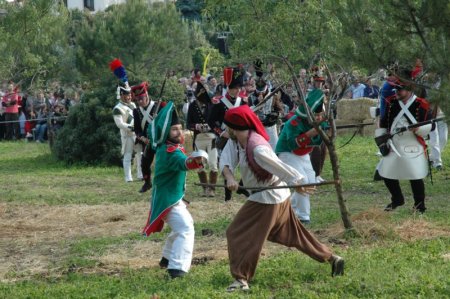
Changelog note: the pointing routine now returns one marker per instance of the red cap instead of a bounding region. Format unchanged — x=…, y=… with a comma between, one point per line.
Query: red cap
x=138, y=90
x=243, y=118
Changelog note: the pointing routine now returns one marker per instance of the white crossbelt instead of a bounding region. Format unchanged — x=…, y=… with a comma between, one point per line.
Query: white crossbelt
x=146, y=114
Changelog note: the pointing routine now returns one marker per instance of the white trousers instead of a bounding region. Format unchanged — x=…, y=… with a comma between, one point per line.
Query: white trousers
x=204, y=141
x=180, y=242
x=129, y=147
x=438, y=141
x=300, y=202
x=138, y=149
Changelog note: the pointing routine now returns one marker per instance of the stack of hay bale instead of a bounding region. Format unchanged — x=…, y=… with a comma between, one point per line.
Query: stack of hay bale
x=355, y=111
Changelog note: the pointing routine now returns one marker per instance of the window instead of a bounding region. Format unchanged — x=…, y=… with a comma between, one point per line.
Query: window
x=89, y=4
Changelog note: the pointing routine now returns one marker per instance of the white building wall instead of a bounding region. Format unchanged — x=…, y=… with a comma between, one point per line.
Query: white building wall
x=103, y=4
x=75, y=4
x=98, y=4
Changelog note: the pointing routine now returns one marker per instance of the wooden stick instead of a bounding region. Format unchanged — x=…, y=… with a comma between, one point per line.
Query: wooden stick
x=271, y=187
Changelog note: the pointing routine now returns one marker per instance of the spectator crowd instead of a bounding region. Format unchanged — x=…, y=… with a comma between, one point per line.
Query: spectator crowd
x=31, y=116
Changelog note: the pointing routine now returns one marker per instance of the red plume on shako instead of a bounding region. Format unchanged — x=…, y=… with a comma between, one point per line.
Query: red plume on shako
x=119, y=71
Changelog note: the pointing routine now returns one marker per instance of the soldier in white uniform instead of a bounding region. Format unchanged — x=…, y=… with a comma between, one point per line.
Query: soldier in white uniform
x=123, y=117
x=405, y=155
x=269, y=112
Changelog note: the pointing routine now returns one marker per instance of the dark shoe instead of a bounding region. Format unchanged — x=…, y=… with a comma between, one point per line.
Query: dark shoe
x=175, y=273
x=419, y=209
x=147, y=186
x=163, y=263
x=305, y=222
x=392, y=206
x=337, y=265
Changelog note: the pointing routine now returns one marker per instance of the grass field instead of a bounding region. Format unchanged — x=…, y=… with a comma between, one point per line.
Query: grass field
x=74, y=232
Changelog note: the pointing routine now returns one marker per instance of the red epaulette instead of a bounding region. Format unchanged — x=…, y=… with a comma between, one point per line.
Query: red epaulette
x=163, y=104
x=216, y=100
x=424, y=104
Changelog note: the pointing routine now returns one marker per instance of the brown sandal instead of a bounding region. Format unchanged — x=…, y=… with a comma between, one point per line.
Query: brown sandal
x=238, y=284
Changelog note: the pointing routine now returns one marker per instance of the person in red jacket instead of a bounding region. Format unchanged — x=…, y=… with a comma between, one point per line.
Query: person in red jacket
x=10, y=103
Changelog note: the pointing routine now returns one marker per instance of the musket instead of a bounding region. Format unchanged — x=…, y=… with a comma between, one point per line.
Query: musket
x=148, y=146
x=271, y=187
x=349, y=126
x=267, y=97
x=383, y=139
x=160, y=94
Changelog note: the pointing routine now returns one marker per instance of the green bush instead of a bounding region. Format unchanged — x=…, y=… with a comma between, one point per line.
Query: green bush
x=89, y=134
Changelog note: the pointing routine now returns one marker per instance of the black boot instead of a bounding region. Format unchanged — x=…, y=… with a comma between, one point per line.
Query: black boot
x=418, y=189
x=397, y=198
x=147, y=186
x=163, y=263
x=175, y=273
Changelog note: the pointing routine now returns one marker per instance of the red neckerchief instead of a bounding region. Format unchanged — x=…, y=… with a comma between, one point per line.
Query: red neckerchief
x=171, y=147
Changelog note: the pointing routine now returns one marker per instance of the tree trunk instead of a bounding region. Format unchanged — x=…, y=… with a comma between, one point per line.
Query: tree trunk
x=345, y=215
x=329, y=141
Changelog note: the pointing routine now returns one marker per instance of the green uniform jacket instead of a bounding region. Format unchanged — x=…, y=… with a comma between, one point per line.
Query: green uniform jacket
x=168, y=184
x=293, y=138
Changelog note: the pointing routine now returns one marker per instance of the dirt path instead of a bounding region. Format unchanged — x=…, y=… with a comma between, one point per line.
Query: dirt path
x=34, y=239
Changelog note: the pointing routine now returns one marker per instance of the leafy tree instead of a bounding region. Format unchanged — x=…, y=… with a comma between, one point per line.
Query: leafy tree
x=190, y=9
x=138, y=34
x=268, y=29
x=33, y=42
x=378, y=33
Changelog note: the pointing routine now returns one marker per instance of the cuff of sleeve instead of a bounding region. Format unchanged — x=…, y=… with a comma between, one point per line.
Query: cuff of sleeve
x=303, y=140
x=192, y=164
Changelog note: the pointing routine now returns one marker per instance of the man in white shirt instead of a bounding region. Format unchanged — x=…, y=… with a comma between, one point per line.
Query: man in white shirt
x=268, y=213
x=356, y=90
